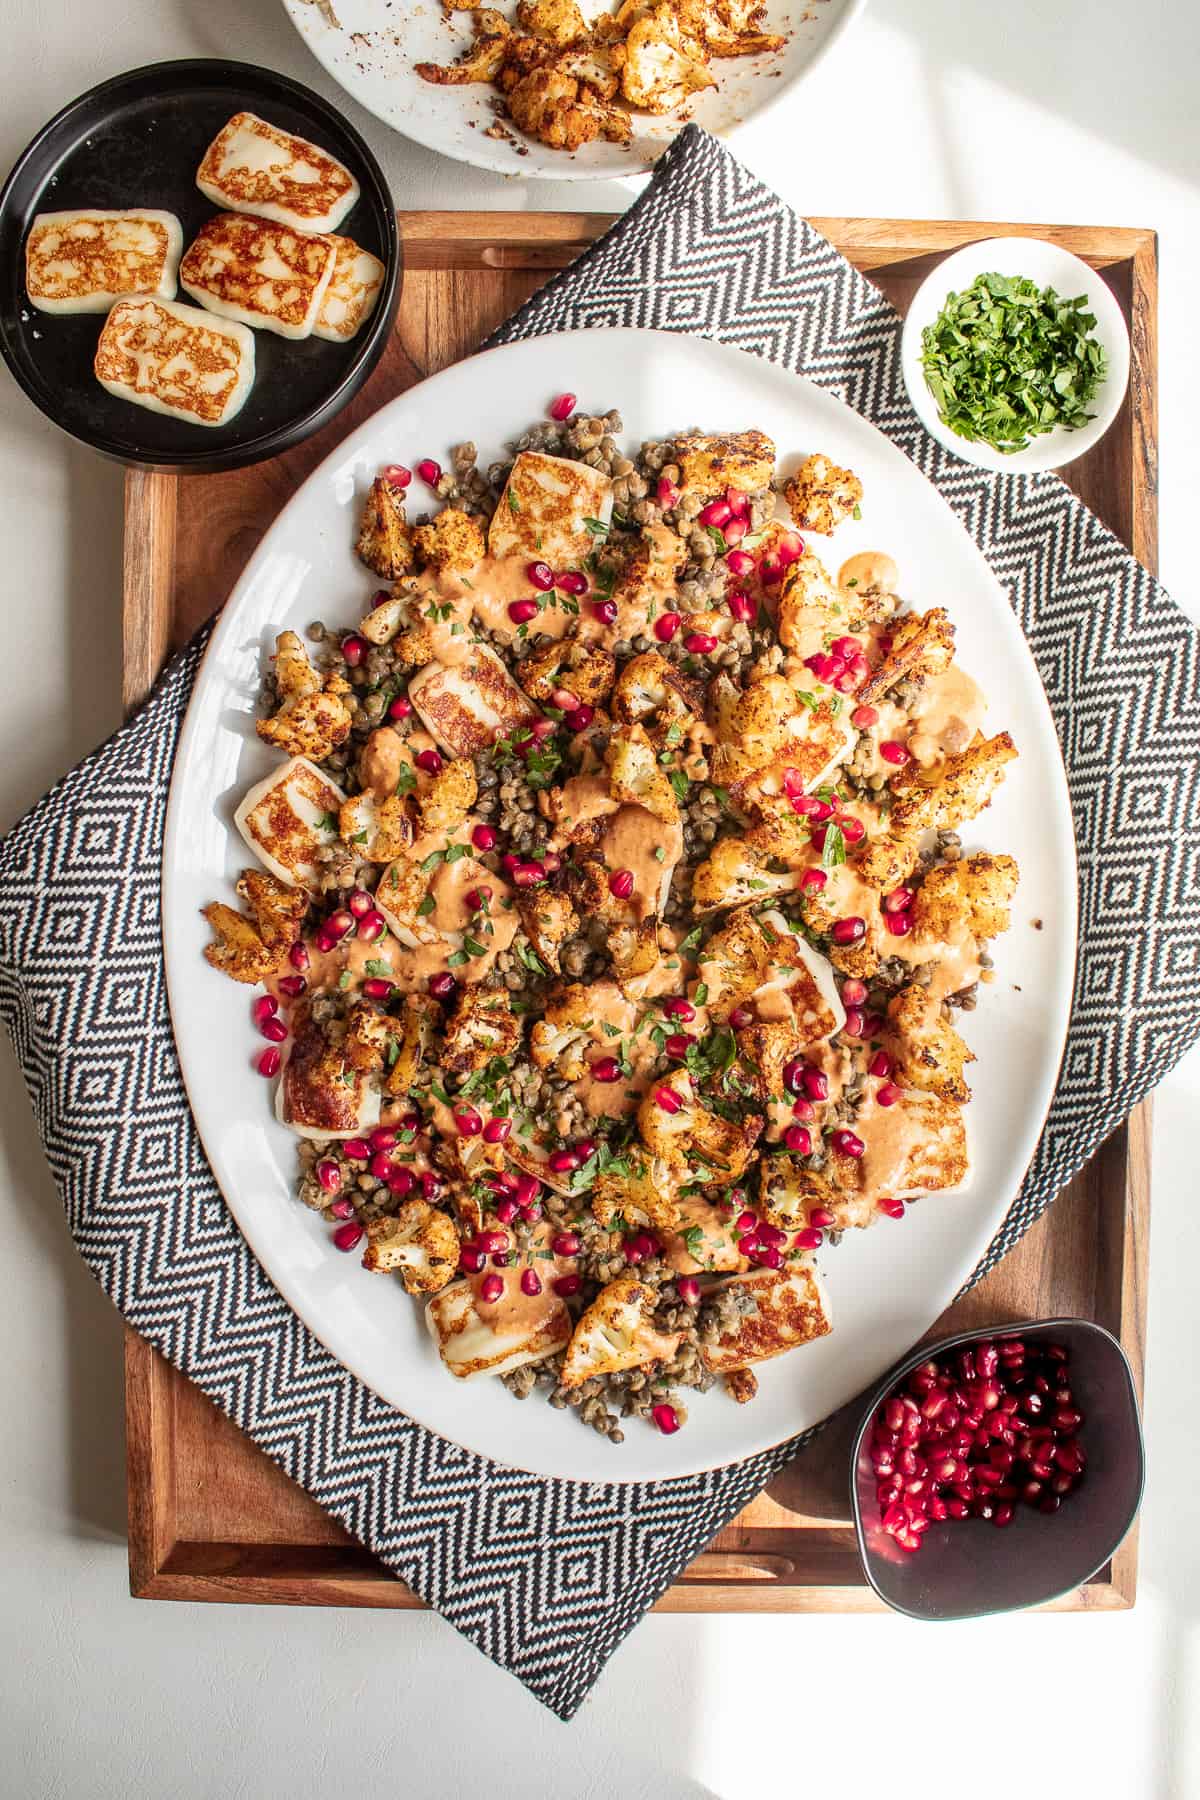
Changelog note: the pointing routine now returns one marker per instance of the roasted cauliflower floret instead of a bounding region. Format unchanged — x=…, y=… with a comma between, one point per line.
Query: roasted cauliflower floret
x=708, y=464
x=636, y=777
x=418, y=1025
x=448, y=799
x=482, y=62
x=728, y=27
x=634, y=951
x=662, y=65
x=810, y=606
x=312, y=719
x=453, y=540
x=369, y=1037
x=385, y=620
x=886, y=861
x=928, y=1052
x=966, y=898
x=736, y=875
x=653, y=693
x=378, y=830
x=559, y=22
x=548, y=919
x=922, y=644
x=617, y=1332
x=418, y=1243
x=734, y=962
x=557, y=110
x=250, y=949
x=384, y=540
x=820, y=495
x=710, y=1148
x=560, y=1036
x=482, y=1025
x=583, y=670
x=953, y=791
x=788, y=1192
x=643, y=1191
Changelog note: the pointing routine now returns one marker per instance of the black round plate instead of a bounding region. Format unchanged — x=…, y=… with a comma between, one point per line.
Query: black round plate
x=137, y=141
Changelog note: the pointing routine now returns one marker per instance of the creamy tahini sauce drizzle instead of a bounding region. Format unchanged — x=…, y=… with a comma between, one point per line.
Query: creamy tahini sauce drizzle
x=947, y=714
x=516, y=1312
x=891, y=1134
x=869, y=569
x=633, y=839
x=715, y=1248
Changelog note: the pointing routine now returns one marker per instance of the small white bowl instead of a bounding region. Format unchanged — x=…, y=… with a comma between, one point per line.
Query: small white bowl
x=1049, y=266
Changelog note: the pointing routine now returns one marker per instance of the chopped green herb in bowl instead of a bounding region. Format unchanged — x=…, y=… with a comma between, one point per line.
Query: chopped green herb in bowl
x=1007, y=361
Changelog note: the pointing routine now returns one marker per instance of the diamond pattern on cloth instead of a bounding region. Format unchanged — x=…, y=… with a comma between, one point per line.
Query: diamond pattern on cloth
x=547, y=1577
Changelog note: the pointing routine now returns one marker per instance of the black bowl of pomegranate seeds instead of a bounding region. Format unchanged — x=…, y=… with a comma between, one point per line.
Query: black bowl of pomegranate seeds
x=997, y=1469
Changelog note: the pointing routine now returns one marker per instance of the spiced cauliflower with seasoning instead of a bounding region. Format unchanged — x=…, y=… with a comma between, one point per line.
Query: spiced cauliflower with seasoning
x=606, y=973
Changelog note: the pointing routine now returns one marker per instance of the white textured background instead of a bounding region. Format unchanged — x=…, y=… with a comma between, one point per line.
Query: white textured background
x=1073, y=111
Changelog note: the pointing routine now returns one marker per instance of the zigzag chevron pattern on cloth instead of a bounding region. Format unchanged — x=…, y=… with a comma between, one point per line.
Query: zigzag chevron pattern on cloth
x=548, y=1577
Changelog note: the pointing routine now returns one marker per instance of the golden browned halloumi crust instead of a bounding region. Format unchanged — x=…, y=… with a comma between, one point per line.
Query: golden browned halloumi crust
x=790, y=1309
x=474, y=1343
x=952, y=791
x=928, y=1052
x=820, y=494
x=352, y=293
x=287, y=817
x=543, y=510
x=82, y=261
x=259, y=272
x=252, y=166
x=967, y=898
x=384, y=539
x=452, y=540
x=467, y=707
x=710, y=463
x=175, y=359
x=321, y=1087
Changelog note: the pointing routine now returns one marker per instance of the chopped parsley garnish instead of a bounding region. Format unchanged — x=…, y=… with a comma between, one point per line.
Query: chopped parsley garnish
x=376, y=966
x=1007, y=361
x=407, y=779
x=514, y=505
x=597, y=527
x=833, y=850
x=426, y=906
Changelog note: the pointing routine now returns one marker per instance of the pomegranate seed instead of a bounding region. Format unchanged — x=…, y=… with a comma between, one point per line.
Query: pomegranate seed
x=605, y=611
x=880, y=1064
x=739, y=563
x=531, y=1282
x=429, y=471
x=620, y=883
x=496, y=1131
x=666, y=625
x=521, y=611
x=340, y=923
x=700, y=643
x=688, y=1289
x=329, y=1176
x=848, y=930
x=790, y=547
x=667, y=1099
x=292, y=985
x=853, y=830
x=846, y=1143
x=853, y=992
x=429, y=760
x=264, y=1007
x=888, y=1094
x=864, y=717
x=347, y=1236
x=470, y=1260
x=1065, y=1419
x=579, y=718
x=735, y=530
x=899, y=924
x=715, y=513
x=894, y=1209
x=431, y=1184
x=770, y=571
x=396, y=475
x=491, y=1288
x=298, y=955
x=814, y=880
x=743, y=608
x=798, y=1140
x=372, y=927
x=678, y=1045
x=400, y=1180
x=400, y=707
x=360, y=903
x=274, y=1030
x=740, y=1017
x=816, y=1084
x=666, y=1418
x=572, y=581
x=493, y=1243
x=506, y=1210
x=666, y=493
x=605, y=1068
x=357, y=1149
x=354, y=648
x=467, y=1122
x=442, y=986
x=894, y=753
x=808, y=1239
x=562, y=407
x=476, y=898
x=803, y=1110
x=540, y=576
x=342, y=1209
x=380, y=1165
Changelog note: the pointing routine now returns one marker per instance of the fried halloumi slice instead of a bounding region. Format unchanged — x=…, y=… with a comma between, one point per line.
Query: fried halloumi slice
x=85, y=260
x=288, y=817
x=476, y=1337
x=543, y=512
x=354, y=288
x=968, y=898
x=790, y=1308
x=468, y=706
x=928, y=1052
x=482, y=1025
x=548, y=919
x=708, y=464
x=952, y=791
x=258, y=272
x=452, y=540
x=254, y=167
x=251, y=949
x=400, y=895
x=617, y=1332
x=176, y=360
x=385, y=545
x=762, y=963
x=321, y=1094
x=820, y=494
x=418, y=1243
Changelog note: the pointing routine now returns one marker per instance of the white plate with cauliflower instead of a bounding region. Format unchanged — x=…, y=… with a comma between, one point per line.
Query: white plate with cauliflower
x=653, y=907
x=571, y=92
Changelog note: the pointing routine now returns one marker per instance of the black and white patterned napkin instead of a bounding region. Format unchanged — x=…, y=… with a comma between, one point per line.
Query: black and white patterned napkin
x=547, y=1577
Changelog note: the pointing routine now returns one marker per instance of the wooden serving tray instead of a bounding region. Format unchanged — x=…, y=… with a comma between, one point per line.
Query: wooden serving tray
x=210, y=1517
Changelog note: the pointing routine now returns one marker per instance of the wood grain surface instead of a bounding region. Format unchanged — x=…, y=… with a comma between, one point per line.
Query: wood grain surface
x=210, y=1517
